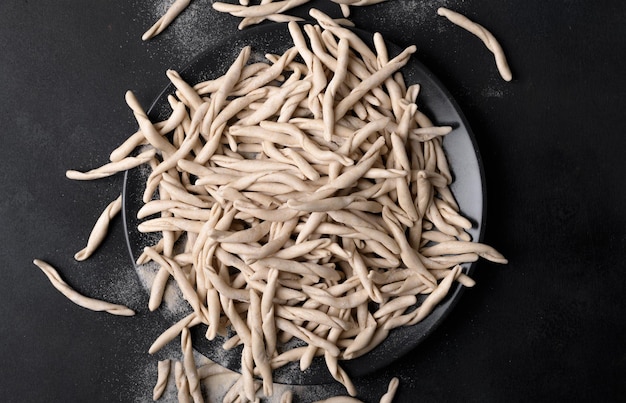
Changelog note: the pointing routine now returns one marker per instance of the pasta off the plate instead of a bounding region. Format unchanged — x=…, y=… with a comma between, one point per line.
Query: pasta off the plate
x=251, y=14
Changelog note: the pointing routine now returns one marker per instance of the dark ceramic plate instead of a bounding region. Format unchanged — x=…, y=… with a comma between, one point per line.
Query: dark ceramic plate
x=468, y=188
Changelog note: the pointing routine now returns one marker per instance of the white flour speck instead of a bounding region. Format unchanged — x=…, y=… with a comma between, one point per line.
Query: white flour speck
x=192, y=32
x=491, y=92
x=407, y=13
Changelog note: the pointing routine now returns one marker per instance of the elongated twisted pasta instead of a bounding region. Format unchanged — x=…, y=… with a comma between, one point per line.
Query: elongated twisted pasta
x=487, y=37
x=77, y=298
x=172, y=12
x=272, y=10
x=163, y=372
x=99, y=231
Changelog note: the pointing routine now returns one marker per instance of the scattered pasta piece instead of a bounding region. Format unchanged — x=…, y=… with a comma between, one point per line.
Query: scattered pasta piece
x=175, y=9
x=112, y=168
x=99, y=231
x=488, y=39
x=77, y=298
x=252, y=14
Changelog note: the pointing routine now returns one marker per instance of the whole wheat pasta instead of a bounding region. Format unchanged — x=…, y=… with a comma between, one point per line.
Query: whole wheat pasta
x=487, y=37
x=77, y=298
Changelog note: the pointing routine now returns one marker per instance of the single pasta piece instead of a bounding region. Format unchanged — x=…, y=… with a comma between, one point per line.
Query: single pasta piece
x=112, y=168
x=99, y=231
x=488, y=39
x=189, y=365
x=181, y=383
x=275, y=7
x=163, y=372
x=77, y=298
x=175, y=9
x=391, y=391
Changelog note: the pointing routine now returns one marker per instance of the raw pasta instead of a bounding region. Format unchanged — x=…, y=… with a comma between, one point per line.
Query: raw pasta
x=296, y=198
x=271, y=10
x=488, y=39
x=163, y=372
x=175, y=9
x=301, y=201
x=77, y=298
x=99, y=231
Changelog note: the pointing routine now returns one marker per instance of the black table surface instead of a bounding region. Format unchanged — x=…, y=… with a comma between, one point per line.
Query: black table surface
x=549, y=326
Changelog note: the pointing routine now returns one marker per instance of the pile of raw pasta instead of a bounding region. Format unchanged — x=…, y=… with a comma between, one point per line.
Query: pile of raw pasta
x=303, y=197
